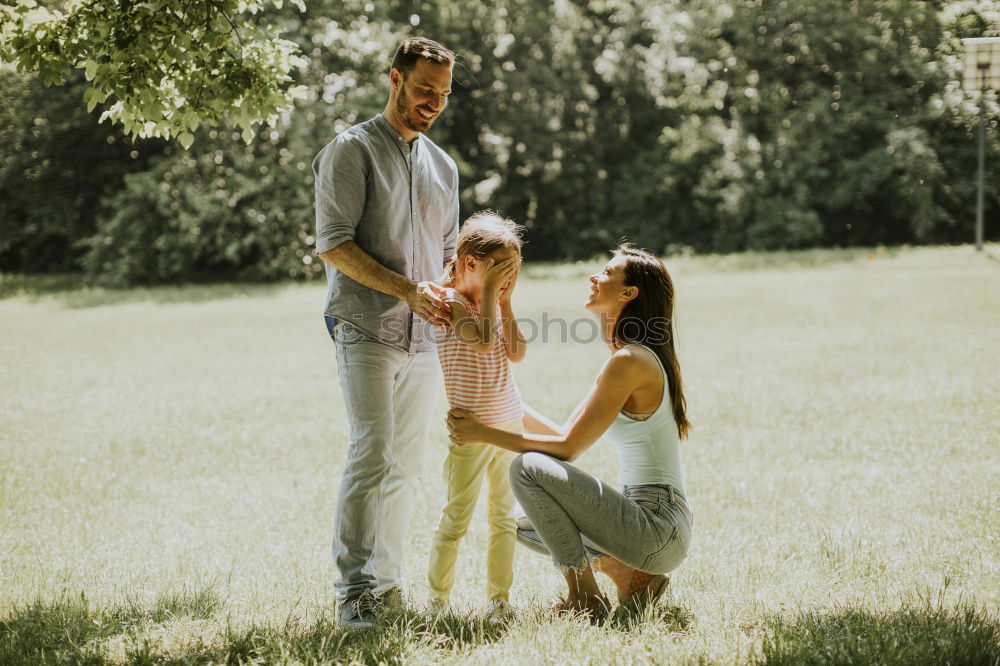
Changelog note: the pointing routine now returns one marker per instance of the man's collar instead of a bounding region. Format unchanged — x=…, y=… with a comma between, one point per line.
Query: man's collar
x=393, y=132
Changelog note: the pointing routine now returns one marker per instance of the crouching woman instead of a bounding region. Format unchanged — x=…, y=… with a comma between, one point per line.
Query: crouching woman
x=640, y=533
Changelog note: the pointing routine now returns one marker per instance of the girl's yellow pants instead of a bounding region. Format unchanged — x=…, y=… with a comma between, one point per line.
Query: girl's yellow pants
x=464, y=470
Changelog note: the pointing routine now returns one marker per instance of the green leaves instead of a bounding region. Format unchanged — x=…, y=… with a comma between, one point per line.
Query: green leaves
x=170, y=65
x=93, y=97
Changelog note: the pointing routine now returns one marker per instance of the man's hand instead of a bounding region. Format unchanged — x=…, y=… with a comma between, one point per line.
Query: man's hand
x=426, y=301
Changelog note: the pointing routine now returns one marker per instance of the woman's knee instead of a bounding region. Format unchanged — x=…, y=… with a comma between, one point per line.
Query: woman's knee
x=516, y=470
x=526, y=467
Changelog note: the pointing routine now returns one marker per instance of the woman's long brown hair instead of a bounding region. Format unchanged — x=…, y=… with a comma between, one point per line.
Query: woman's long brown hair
x=648, y=319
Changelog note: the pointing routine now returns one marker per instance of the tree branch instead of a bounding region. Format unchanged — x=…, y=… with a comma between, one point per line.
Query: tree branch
x=236, y=30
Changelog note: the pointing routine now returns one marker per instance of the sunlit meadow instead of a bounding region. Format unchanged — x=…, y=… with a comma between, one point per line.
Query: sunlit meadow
x=170, y=459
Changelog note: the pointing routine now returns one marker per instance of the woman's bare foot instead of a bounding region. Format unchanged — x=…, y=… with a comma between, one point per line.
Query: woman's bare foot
x=620, y=574
x=596, y=608
x=636, y=589
x=643, y=594
x=584, y=596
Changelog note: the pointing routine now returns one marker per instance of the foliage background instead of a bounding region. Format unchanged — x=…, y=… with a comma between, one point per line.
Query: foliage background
x=696, y=125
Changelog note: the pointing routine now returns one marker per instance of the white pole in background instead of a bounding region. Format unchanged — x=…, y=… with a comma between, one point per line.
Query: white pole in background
x=982, y=159
x=981, y=72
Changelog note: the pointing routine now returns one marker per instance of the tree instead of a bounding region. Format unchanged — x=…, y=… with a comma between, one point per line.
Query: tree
x=56, y=165
x=163, y=67
x=224, y=210
x=713, y=125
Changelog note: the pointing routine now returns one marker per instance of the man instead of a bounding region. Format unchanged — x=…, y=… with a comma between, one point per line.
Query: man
x=386, y=223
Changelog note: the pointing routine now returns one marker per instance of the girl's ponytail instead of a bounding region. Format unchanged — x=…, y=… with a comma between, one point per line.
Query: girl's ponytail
x=448, y=277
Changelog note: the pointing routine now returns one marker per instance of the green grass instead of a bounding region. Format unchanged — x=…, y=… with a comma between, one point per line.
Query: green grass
x=169, y=460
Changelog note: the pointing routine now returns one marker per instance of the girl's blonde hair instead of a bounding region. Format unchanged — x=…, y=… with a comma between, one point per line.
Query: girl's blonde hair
x=482, y=234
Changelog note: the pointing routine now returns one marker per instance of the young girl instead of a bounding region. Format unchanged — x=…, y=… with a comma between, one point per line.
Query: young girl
x=475, y=351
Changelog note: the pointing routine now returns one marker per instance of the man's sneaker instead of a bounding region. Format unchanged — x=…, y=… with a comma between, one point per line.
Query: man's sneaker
x=357, y=613
x=437, y=607
x=391, y=600
x=498, y=612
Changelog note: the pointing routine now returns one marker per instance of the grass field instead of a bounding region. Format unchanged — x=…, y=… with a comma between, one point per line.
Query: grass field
x=169, y=460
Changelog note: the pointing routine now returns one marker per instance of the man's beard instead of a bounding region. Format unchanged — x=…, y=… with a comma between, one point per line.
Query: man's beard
x=409, y=116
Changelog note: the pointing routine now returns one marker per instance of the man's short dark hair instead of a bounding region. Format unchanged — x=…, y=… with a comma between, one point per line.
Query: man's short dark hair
x=410, y=50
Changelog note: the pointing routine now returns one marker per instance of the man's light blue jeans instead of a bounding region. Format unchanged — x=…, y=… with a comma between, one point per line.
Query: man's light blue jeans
x=390, y=396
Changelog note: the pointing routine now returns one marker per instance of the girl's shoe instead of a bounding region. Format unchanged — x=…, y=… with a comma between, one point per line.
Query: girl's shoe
x=499, y=611
x=437, y=607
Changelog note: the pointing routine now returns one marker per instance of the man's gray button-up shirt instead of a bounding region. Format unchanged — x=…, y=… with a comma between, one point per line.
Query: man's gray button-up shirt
x=399, y=203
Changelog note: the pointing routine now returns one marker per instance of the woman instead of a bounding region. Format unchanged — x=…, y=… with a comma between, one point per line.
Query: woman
x=637, y=404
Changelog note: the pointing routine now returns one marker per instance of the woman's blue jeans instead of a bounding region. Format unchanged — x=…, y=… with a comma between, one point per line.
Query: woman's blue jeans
x=574, y=515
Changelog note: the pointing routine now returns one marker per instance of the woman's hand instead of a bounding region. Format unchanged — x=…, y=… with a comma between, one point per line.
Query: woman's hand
x=464, y=426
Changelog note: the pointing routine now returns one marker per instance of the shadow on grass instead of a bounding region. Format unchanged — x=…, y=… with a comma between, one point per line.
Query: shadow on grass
x=72, y=630
x=673, y=618
x=914, y=636
x=67, y=630
x=75, y=292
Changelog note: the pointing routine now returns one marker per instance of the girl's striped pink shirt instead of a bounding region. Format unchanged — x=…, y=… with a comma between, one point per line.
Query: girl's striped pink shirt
x=482, y=383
